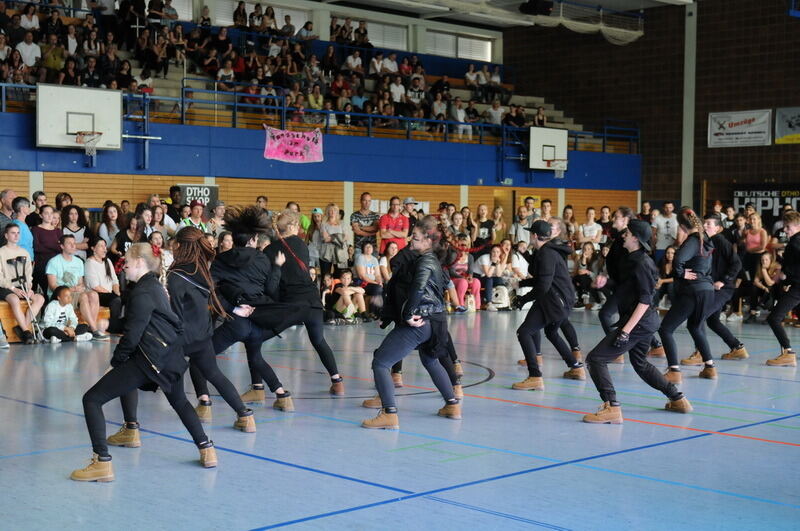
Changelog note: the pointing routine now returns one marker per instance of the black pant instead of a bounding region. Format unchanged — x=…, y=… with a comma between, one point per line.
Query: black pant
x=446, y=361
x=607, y=313
x=534, y=322
x=693, y=308
x=52, y=331
x=668, y=289
x=123, y=381
x=253, y=336
x=637, y=347
x=721, y=298
x=203, y=368
x=114, y=304
x=786, y=301
x=315, y=328
x=398, y=344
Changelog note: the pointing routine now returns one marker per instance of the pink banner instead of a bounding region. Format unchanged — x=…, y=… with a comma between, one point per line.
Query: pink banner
x=293, y=146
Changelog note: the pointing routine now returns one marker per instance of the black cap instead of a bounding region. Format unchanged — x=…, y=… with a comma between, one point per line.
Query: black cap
x=541, y=228
x=642, y=231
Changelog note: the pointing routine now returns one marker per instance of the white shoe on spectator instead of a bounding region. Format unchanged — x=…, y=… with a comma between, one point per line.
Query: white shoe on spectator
x=54, y=340
x=734, y=317
x=99, y=336
x=4, y=342
x=84, y=337
x=491, y=307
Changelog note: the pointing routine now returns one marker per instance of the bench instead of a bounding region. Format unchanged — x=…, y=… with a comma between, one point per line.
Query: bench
x=8, y=322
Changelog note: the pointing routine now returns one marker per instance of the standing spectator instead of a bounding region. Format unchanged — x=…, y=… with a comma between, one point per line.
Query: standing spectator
x=39, y=200
x=646, y=213
x=666, y=229
x=500, y=225
x=519, y=229
x=22, y=209
x=333, y=251
x=393, y=226
x=483, y=232
x=362, y=35
x=196, y=218
x=175, y=197
x=307, y=36
x=314, y=237
x=45, y=245
x=364, y=223
x=7, y=197
x=409, y=211
x=216, y=223
x=591, y=231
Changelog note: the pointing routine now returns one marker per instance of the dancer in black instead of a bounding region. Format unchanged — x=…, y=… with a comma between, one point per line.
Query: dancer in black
x=555, y=295
x=415, y=303
x=637, y=324
x=725, y=268
x=148, y=356
x=789, y=293
x=694, y=292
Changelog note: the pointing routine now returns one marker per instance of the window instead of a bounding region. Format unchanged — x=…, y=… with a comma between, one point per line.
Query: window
x=450, y=45
x=223, y=13
x=388, y=36
x=184, y=9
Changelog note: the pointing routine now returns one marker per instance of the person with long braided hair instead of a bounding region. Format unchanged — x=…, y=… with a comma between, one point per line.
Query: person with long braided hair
x=415, y=303
x=694, y=294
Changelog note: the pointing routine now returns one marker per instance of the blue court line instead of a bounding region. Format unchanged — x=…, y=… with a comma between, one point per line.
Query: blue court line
x=515, y=474
x=497, y=513
x=759, y=377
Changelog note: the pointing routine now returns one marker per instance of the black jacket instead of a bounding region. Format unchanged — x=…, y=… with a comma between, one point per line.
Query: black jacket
x=638, y=288
x=295, y=284
x=791, y=261
x=417, y=287
x=725, y=263
x=689, y=256
x=189, y=297
x=244, y=275
x=553, y=286
x=617, y=260
x=152, y=331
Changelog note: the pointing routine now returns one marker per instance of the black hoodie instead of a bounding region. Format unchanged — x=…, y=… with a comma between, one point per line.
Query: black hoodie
x=553, y=287
x=189, y=297
x=791, y=261
x=725, y=263
x=296, y=284
x=244, y=275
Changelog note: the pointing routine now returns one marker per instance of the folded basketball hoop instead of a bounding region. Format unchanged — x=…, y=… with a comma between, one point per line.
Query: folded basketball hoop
x=559, y=166
x=89, y=140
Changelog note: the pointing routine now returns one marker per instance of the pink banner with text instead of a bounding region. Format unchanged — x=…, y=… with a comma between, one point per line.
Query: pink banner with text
x=293, y=146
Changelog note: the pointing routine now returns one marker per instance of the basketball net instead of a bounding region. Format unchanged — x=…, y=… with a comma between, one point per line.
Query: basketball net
x=89, y=140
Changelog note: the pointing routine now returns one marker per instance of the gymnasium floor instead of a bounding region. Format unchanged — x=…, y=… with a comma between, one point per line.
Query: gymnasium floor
x=517, y=460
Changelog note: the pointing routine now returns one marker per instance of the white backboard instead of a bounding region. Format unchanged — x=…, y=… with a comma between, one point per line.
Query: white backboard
x=62, y=111
x=547, y=144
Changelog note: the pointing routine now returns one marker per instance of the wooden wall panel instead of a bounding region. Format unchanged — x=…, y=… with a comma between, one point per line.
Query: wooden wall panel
x=435, y=194
x=309, y=194
x=91, y=190
x=15, y=180
x=583, y=199
x=478, y=195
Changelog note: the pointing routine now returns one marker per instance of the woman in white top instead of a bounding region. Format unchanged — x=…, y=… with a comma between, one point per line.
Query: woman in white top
x=385, y=262
x=91, y=46
x=73, y=222
x=489, y=269
x=157, y=241
x=5, y=49
x=438, y=106
x=29, y=19
x=147, y=218
x=519, y=265
x=159, y=223
x=591, y=231
x=100, y=277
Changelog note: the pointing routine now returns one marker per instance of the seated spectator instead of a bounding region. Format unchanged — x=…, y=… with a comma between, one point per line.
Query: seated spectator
x=459, y=114
x=144, y=79
x=306, y=34
x=102, y=279
x=69, y=75
x=53, y=54
x=91, y=76
x=389, y=65
x=30, y=20
x=5, y=49
x=67, y=270
x=362, y=35
x=439, y=106
x=350, y=303
x=353, y=64
x=312, y=73
x=16, y=261
x=405, y=70
x=330, y=64
x=315, y=98
x=155, y=58
x=226, y=77
x=489, y=269
x=221, y=43
x=109, y=63
x=460, y=272
x=419, y=74
x=494, y=114
x=15, y=31
x=495, y=86
x=30, y=52
x=274, y=47
x=471, y=82
x=368, y=271
x=416, y=95
x=583, y=276
x=134, y=233
x=339, y=84
x=211, y=63
x=53, y=25
x=60, y=322
x=376, y=66
x=442, y=86
x=398, y=93
x=540, y=120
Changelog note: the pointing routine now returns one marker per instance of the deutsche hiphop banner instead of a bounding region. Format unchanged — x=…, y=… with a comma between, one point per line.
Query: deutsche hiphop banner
x=737, y=129
x=293, y=146
x=767, y=199
x=787, y=125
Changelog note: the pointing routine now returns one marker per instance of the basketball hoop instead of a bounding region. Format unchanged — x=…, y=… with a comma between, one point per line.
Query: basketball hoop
x=559, y=166
x=89, y=140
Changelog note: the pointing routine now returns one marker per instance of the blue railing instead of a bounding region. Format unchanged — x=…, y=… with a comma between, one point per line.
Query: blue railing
x=42, y=7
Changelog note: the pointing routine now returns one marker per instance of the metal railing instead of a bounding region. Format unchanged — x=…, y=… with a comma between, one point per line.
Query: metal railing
x=45, y=8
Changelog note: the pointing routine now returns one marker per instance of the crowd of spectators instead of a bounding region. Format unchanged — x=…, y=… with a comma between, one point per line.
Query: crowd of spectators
x=65, y=256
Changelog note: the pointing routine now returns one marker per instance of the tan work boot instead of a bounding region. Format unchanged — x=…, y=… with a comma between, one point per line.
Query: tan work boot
x=575, y=373
x=458, y=391
x=254, y=396
x=284, y=404
x=709, y=372
x=738, y=353
x=372, y=403
x=694, y=359
x=102, y=471
x=451, y=411
x=619, y=359
x=524, y=362
x=606, y=414
x=656, y=352
x=787, y=359
x=530, y=383
x=203, y=413
x=459, y=370
x=384, y=421
x=679, y=406
x=127, y=437
x=578, y=354
x=397, y=378
x=247, y=424
x=337, y=388
x=208, y=457
x=673, y=376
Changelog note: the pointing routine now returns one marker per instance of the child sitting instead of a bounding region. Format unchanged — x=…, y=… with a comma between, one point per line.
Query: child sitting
x=60, y=322
x=351, y=299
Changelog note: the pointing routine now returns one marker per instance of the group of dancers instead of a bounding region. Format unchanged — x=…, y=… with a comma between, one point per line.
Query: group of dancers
x=256, y=295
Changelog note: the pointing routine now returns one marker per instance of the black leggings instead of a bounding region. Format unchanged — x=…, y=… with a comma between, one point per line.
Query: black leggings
x=114, y=304
x=721, y=298
x=786, y=301
x=123, y=381
x=203, y=368
x=534, y=322
x=253, y=336
x=446, y=361
x=52, y=331
x=694, y=309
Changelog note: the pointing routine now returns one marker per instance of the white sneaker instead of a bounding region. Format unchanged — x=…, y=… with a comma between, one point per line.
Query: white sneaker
x=84, y=337
x=4, y=342
x=585, y=299
x=54, y=340
x=734, y=317
x=491, y=307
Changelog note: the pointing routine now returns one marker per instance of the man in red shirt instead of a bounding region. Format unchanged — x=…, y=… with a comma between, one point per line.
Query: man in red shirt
x=393, y=226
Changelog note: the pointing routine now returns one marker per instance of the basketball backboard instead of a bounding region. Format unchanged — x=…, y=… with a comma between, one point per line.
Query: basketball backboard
x=63, y=111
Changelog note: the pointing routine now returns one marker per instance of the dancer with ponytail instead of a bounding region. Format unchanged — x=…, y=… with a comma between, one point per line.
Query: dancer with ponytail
x=148, y=356
x=638, y=322
x=694, y=295
x=415, y=303
x=789, y=293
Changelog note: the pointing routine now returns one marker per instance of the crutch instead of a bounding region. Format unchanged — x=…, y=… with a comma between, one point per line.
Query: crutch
x=21, y=281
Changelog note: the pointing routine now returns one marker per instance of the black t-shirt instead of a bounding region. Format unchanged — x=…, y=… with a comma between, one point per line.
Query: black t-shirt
x=221, y=45
x=33, y=220
x=92, y=79
x=484, y=233
x=412, y=220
